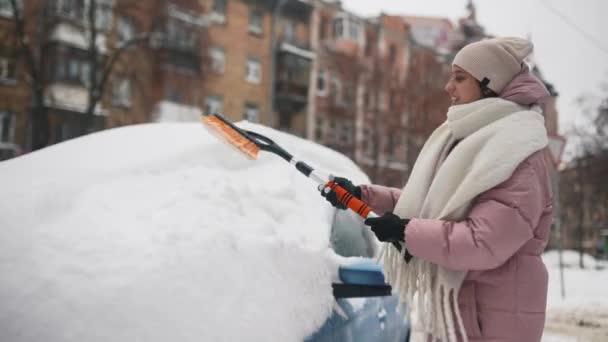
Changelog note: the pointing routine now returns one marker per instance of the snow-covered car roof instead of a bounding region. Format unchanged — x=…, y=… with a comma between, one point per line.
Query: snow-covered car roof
x=160, y=232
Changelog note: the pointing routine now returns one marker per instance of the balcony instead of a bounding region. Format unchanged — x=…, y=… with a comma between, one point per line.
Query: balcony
x=293, y=77
x=298, y=9
x=295, y=47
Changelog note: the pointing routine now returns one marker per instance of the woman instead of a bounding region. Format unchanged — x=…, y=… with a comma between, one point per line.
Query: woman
x=476, y=211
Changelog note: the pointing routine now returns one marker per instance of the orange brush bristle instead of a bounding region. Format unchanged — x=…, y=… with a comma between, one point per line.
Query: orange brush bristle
x=231, y=135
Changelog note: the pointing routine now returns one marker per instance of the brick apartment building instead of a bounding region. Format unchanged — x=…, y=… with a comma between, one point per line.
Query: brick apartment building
x=371, y=88
x=367, y=101
x=75, y=76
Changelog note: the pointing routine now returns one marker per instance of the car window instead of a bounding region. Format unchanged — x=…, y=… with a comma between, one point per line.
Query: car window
x=350, y=237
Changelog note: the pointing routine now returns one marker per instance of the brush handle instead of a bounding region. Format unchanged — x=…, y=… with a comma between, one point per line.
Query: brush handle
x=362, y=209
x=349, y=200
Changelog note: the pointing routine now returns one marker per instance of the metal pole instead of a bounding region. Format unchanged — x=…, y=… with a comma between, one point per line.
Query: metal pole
x=558, y=228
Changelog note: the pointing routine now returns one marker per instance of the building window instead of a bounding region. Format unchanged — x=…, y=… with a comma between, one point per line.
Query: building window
x=7, y=68
x=319, y=128
x=125, y=29
x=73, y=69
x=6, y=8
x=218, y=11
x=392, y=54
x=391, y=147
x=182, y=35
x=121, y=92
x=366, y=100
x=72, y=9
x=345, y=134
x=85, y=73
x=347, y=28
x=289, y=31
x=255, y=21
x=103, y=15
x=213, y=105
x=405, y=118
x=6, y=126
x=354, y=28
x=336, y=90
x=218, y=59
x=338, y=28
x=251, y=112
x=332, y=133
x=253, y=71
x=322, y=28
x=322, y=83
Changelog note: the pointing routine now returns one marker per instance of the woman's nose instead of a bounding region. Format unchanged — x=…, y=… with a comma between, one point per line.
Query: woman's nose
x=448, y=87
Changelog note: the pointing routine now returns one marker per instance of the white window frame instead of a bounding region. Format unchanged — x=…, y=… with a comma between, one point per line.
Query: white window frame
x=104, y=13
x=125, y=29
x=251, y=112
x=350, y=28
x=253, y=71
x=214, y=104
x=219, y=17
x=122, y=92
x=218, y=59
x=256, y=26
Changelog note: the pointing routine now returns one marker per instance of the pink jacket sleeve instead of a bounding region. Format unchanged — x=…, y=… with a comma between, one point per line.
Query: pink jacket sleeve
x=501, y=220
x=380, y=198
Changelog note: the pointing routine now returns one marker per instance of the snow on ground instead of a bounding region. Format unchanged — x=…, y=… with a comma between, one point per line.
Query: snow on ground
x=159, y=232
x=583, y=314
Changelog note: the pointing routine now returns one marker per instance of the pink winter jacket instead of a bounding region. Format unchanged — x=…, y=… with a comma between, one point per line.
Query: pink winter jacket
x=503, y=298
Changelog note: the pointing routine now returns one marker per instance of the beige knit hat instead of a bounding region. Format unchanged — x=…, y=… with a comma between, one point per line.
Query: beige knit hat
x=496, y=60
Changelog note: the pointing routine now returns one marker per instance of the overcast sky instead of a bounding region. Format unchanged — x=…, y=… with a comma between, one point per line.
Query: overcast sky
x=574, y=63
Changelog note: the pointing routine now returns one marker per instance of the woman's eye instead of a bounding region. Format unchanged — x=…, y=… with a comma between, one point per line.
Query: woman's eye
x=459, y=78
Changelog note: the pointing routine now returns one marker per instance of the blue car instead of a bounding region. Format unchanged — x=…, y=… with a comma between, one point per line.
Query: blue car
x=365, y=308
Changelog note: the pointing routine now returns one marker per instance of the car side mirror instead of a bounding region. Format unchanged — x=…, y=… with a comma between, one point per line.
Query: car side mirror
x=363, y=279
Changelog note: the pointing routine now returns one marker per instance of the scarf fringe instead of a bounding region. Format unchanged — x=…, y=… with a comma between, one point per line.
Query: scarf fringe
x=436, y=306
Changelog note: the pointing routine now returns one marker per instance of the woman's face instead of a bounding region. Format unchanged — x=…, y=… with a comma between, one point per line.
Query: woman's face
x=462, y=87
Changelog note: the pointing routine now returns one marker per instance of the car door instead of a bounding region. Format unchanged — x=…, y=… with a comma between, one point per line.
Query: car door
x=372, y=318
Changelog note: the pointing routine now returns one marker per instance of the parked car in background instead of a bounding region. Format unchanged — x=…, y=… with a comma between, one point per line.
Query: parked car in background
x=9, y=150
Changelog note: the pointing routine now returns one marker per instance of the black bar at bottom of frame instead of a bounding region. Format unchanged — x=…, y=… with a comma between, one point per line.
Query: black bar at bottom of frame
x=352, y=290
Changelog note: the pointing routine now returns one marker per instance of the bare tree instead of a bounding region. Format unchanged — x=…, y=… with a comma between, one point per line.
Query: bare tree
x=34, y=20
x=31, y=47
x=588, y=193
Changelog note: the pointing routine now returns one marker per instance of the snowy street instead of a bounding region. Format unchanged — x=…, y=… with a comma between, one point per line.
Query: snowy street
x=583, y=315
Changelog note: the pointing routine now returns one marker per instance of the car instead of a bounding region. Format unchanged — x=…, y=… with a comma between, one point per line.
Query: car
x=366, y=309
x=9, y=150
x=160, y=232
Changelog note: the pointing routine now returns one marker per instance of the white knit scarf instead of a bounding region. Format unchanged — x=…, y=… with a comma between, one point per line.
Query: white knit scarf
x=495, y=137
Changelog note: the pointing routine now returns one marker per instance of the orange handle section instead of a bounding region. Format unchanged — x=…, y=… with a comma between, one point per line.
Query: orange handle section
x=350, y=200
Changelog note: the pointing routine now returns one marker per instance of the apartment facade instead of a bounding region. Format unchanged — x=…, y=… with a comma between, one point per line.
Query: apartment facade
x=371, y=88
x=91, y=64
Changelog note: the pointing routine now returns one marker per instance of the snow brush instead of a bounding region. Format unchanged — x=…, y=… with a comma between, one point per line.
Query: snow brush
x=251, y=143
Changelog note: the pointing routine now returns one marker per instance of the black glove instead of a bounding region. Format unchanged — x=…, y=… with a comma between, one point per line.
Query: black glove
x=390, y=228
x=332, y=197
